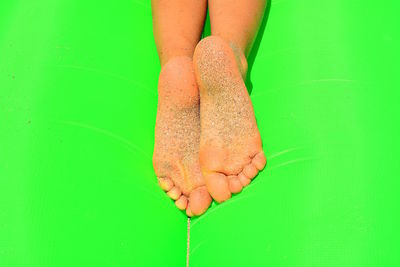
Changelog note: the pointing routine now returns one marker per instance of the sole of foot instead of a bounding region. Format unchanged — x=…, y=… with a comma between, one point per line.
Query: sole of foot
x=230, y=144
x=177, y=135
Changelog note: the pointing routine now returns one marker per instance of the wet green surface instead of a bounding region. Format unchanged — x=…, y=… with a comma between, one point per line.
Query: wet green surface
x=77, y=111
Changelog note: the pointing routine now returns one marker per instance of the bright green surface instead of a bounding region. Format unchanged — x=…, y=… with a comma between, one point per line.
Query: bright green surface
x=77, y=110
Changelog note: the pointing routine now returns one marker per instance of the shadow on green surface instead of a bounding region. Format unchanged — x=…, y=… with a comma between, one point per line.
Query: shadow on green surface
x=256, y=46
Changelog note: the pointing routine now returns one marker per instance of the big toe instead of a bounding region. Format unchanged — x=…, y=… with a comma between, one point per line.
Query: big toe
x=199, y=201
x=218, y=186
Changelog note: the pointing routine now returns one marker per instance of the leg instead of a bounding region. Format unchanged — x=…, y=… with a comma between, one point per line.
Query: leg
x=237, y=21
x=177, y=26
x=230, y=144
x=177, y=29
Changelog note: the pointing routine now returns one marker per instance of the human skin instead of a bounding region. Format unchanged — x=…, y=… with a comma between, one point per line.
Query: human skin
x=177, y=26
x=230, y=144
x=206, y=138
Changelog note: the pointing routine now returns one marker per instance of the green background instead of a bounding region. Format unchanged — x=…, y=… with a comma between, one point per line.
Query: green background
x=77, y=111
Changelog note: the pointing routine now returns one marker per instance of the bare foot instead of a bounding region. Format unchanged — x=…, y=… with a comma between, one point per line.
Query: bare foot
x=230, y=145
x=177, y=135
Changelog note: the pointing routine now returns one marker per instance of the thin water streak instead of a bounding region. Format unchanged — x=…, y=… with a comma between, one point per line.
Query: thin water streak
x=284, y=152
x=107, y=133
x=122, y=78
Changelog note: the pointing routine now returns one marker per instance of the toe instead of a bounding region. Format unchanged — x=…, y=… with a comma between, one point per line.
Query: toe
x=181, y=202
x=199, y=200
x=166, y=184
x=259, y=161
x=234, y=184
x=243, y=179
x=174, y=193
x=250, y=171
x=218, y=186
x=189, y=212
